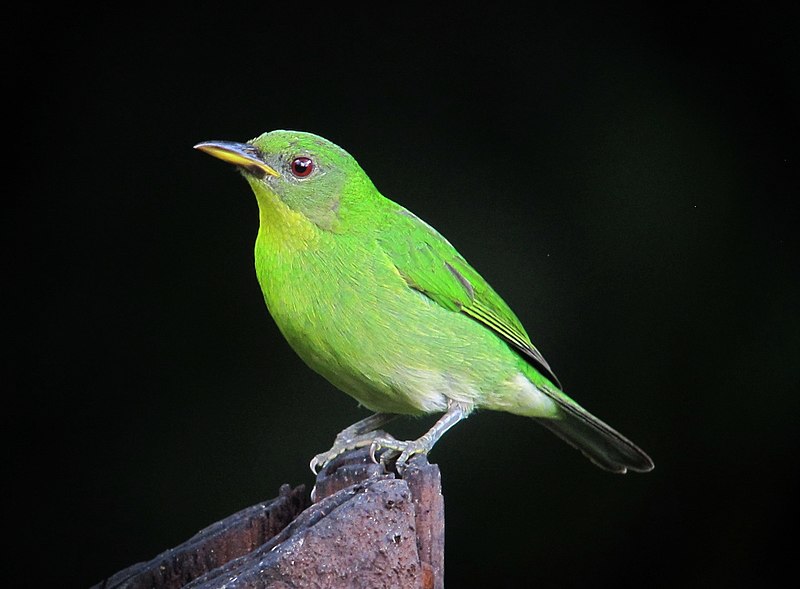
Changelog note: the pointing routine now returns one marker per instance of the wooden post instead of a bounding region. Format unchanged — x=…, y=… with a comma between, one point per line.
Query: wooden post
x=361, y=527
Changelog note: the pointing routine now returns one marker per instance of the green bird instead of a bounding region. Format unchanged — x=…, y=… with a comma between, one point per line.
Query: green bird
x=379, y=303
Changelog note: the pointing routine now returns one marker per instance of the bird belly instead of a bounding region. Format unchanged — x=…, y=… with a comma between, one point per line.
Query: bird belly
x=388, y=346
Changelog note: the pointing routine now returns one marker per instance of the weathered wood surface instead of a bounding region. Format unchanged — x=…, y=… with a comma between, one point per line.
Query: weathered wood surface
x=365, y=527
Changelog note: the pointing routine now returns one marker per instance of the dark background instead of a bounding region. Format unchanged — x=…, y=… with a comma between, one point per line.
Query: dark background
x=626, y=180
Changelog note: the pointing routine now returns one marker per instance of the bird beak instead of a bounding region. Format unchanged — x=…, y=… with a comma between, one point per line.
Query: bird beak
x=244, y=155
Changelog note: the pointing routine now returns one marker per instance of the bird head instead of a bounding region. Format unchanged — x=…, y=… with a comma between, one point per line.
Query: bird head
x=304, y=172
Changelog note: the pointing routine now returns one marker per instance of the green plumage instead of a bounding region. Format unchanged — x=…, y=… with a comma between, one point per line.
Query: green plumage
x=380, y=304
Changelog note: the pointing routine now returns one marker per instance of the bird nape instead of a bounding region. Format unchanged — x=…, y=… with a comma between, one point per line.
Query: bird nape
x=379, y=303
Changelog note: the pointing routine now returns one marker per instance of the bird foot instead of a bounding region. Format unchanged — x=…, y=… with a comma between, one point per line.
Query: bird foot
x=344, y=444
x=397, y=451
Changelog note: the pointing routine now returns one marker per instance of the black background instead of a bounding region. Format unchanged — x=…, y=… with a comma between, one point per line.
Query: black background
x=625, y=179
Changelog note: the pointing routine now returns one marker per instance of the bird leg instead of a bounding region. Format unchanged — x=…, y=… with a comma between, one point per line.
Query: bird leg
x=350, y=438
x=405, y=450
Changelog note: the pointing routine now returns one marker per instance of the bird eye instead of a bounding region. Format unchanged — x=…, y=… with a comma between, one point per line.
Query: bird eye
x=302, y=166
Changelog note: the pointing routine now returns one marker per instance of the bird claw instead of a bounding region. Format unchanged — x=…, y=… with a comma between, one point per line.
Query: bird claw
x=398, y=451
x=342, y=445
x=319, y=461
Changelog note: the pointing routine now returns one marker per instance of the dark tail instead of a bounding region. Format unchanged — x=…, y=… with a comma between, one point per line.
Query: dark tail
x=599, y=442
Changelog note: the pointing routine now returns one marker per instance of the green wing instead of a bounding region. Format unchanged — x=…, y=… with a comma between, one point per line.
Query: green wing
x=430, y=265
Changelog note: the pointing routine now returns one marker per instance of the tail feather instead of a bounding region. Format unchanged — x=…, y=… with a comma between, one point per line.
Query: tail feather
x=599, y=442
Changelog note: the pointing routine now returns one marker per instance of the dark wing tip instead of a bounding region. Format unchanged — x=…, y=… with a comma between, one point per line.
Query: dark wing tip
x=535, y=358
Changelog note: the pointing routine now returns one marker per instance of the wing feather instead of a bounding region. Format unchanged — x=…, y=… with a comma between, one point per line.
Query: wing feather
x=430, y=265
